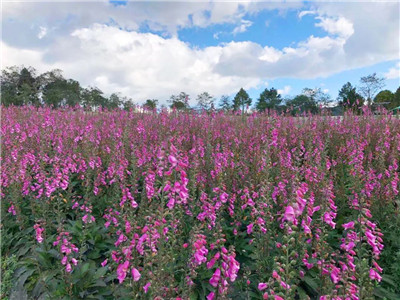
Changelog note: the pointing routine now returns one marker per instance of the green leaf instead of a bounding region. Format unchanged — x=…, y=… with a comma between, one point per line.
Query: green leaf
x=22, y=279
x=23, y=251
x=194, y=295
x=98, y=283
x=385, y=294
x=54, y=253
x=100, y=272
x=310, y=282
x=85, y=268
x=388, y=279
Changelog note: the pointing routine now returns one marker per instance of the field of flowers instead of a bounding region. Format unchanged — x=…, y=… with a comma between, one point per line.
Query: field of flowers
x=125, y=205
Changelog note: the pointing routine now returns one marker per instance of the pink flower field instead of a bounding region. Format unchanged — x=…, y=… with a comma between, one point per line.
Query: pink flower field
x=126, y=205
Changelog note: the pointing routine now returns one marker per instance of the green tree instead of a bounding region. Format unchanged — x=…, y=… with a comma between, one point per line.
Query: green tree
x=269, y=99
x=318, y=96
x=385, y=98
x=9, y=84
x=93, y=97
x=396, y=98
x=179, y=102
x=205, y=101
x=128, y=104
x=58, y=91
x=225, y=103
x=349, y=98
x=20, y=86
x=305, y=102
x=151, y=104
x=241, y=100
x=29, y=85
x=115, y=101
x=370, y=85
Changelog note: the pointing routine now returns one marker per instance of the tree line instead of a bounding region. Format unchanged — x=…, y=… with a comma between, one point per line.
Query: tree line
x=24, y=86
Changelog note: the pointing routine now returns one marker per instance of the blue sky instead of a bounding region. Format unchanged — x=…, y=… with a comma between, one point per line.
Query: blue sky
x=156, y=49
x=268, y=28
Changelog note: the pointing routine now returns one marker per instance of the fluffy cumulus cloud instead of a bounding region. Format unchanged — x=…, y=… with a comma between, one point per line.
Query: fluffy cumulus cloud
x=338, y=25
x=394, y=72
x=244, y=24
x=285, y=91
x=143, y=65
x=103, y=45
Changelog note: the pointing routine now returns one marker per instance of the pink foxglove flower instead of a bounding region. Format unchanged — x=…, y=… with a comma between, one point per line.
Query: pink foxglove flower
x=374, y=275
x=135, y=274
x=172, y=160
x=146, y=287
x=68, y=268
x=211, y=296
x=335, y=275
x=262, y=286
x=11, y=210
x=39, y=232
x=289, y=214
x=121, y=271
x=250, y=228
x=215, y=278
x=349, y=225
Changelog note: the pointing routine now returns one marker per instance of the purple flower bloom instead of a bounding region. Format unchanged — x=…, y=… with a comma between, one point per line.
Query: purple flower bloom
x=121, y=271
x=135, y=274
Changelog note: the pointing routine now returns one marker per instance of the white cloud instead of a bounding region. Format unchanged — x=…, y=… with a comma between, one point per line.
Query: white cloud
x=245, y=24
x=285, y=91
x=139, y=65
x=394, y=72
x=376, y=30
x=42, y=33
x=305, y=13
x=339, y=26
x=326, y=91
x=216, y=35
x=98, y=44
x=270, y=54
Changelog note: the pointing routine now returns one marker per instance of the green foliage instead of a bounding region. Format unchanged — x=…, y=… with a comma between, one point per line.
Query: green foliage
x=302, y=103
x=115, y=101
x=205, y=101
x=349, y=98
x=241, y=100
x=390, y=258
x=370, y=85
x=269, y=99
x=385, y=97
x=8, y=266
x=35, y=269
x=60, y=92
x=93, y=97
x=151, y=104
x=21, y=86
x=225, y=103
x=388, y=99
x=396, y=100
x=179, y=102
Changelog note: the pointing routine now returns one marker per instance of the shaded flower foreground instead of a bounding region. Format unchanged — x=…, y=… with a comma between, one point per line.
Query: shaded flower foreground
x=199, y=206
